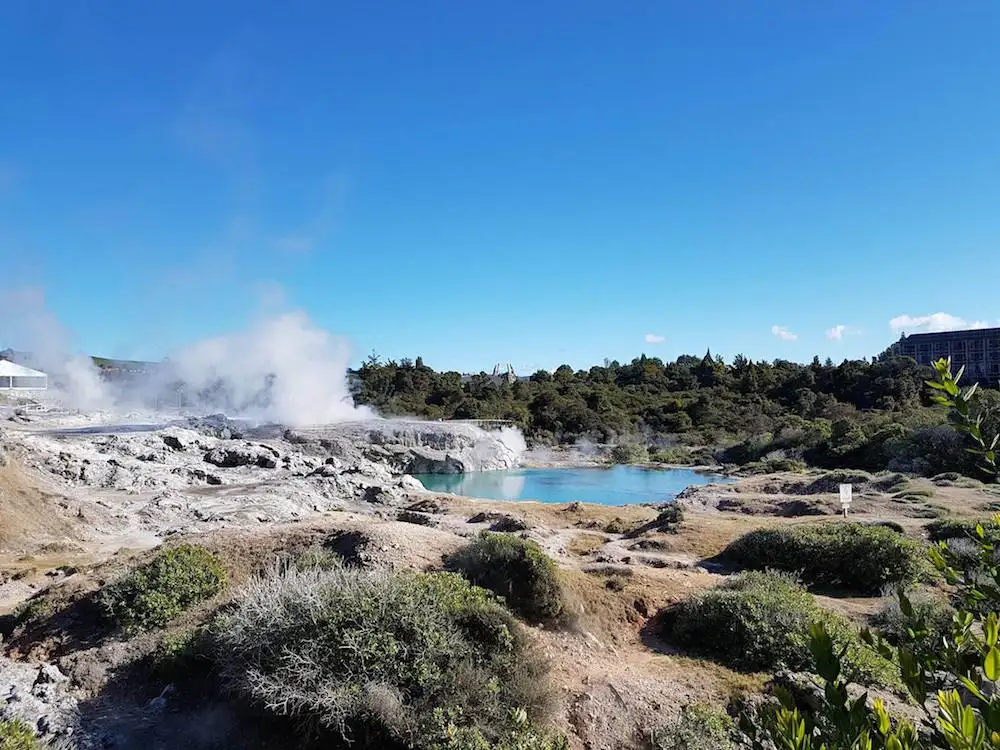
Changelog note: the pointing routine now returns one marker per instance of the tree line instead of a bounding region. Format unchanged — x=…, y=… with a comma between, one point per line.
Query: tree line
x=871, y=414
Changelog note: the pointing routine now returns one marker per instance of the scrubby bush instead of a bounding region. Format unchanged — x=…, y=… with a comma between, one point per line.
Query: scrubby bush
x=759, y=622
x=155, y=593
x=16, y=735
x=617, y=525
x=698, y=727
x=671, y=515
x=629, y=453
x=933, y=612
x=945, y=529
x=420, y=660
x=516, y=569
x=852, y=556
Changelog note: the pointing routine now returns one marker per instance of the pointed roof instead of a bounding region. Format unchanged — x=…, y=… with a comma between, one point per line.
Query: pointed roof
x=12, y=369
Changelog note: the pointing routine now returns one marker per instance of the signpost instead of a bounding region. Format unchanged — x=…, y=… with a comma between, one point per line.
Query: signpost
x=845, y=497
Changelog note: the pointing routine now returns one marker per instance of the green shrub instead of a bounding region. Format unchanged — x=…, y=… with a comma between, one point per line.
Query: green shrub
x=421, y=660
x=16, y=735
x=516, y=569
x=629, y=453
x=679, y=454
x=671, y=515
x=853, y=556
x=155, y=593
x=617, y=525
x=698, y=727
x=893, y=482
x=946, y=529
x=935, y=613
x=915, y=493
x=759, y=621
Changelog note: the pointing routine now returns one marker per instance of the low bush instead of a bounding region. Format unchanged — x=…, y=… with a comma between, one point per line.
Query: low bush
x=419, y=660
x=915, y=493
x=671, y=515
x=933, y=612
x=945, y=529
x=516, y=569
x=155, y=593
x=629, y=453
x=617, y=525
x=853, y=556
x=16, y=735
x=892, y=482
x=760, y=622
x=773, y=465
x=699, y=727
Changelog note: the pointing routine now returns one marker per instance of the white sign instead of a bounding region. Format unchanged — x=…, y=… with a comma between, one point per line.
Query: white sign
x=846, y=491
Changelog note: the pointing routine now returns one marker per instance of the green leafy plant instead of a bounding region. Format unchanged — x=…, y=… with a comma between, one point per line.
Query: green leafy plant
x=963, y=416
x=516, y=569
x=16, y=735
x=629, y=453
x=758, y=621
x=857, y=557
x=699, y=727
x=155, y=593
x=956, y=684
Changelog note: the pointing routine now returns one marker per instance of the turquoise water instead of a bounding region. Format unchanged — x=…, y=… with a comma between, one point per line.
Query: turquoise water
x=617, y=485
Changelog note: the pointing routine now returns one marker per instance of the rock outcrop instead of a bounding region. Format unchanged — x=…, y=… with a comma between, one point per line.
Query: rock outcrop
x=39, y=696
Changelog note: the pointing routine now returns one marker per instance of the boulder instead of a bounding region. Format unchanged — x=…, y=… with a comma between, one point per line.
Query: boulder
x=39, y=696
x=378, y=495
x=433, y=462
x=412, y=516
x=231, y=457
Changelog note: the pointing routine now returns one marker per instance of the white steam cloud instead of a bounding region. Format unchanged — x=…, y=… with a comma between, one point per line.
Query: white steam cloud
x=282, y=369
x=654, y=338
x=305, y=366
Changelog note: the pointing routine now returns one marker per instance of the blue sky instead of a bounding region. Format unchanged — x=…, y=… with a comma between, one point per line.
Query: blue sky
x=537, y=182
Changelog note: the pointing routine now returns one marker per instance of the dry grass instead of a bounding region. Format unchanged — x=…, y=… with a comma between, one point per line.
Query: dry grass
x=583, y=545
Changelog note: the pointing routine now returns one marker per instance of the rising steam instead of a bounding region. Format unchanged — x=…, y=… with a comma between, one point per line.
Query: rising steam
x=282, y=369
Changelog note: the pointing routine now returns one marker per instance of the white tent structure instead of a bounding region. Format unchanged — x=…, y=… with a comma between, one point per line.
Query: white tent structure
x=15, y=377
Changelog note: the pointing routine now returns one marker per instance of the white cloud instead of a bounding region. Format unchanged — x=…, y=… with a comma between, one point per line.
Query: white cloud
x=783, y=333
x=939, y=321
x=652, y=338
x=840, y=330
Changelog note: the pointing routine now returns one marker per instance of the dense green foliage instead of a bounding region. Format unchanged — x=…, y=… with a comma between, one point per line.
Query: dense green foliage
x=698, y=727
x=856, y=414
x=385, y=660
x=155, y=593
x=952, y=672
x=518, y=570
x=760, y=622
x=952, y=528
x=963, y=713
x=933, y=611
x=856, y=557
x=16, y=735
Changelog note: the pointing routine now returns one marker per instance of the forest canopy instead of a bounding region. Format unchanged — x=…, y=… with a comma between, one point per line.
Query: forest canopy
x=859, y=413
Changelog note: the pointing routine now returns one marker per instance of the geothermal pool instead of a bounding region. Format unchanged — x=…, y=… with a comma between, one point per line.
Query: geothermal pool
x=618, y=485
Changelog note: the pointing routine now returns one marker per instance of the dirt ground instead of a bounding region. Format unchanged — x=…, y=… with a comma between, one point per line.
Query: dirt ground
x=617, y=680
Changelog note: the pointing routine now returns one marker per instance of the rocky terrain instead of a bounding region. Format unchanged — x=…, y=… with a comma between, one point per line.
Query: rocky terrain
x=80, y=503
x=202, y=474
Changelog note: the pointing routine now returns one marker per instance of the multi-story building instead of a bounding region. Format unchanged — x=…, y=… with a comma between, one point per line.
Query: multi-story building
x=978, y=350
